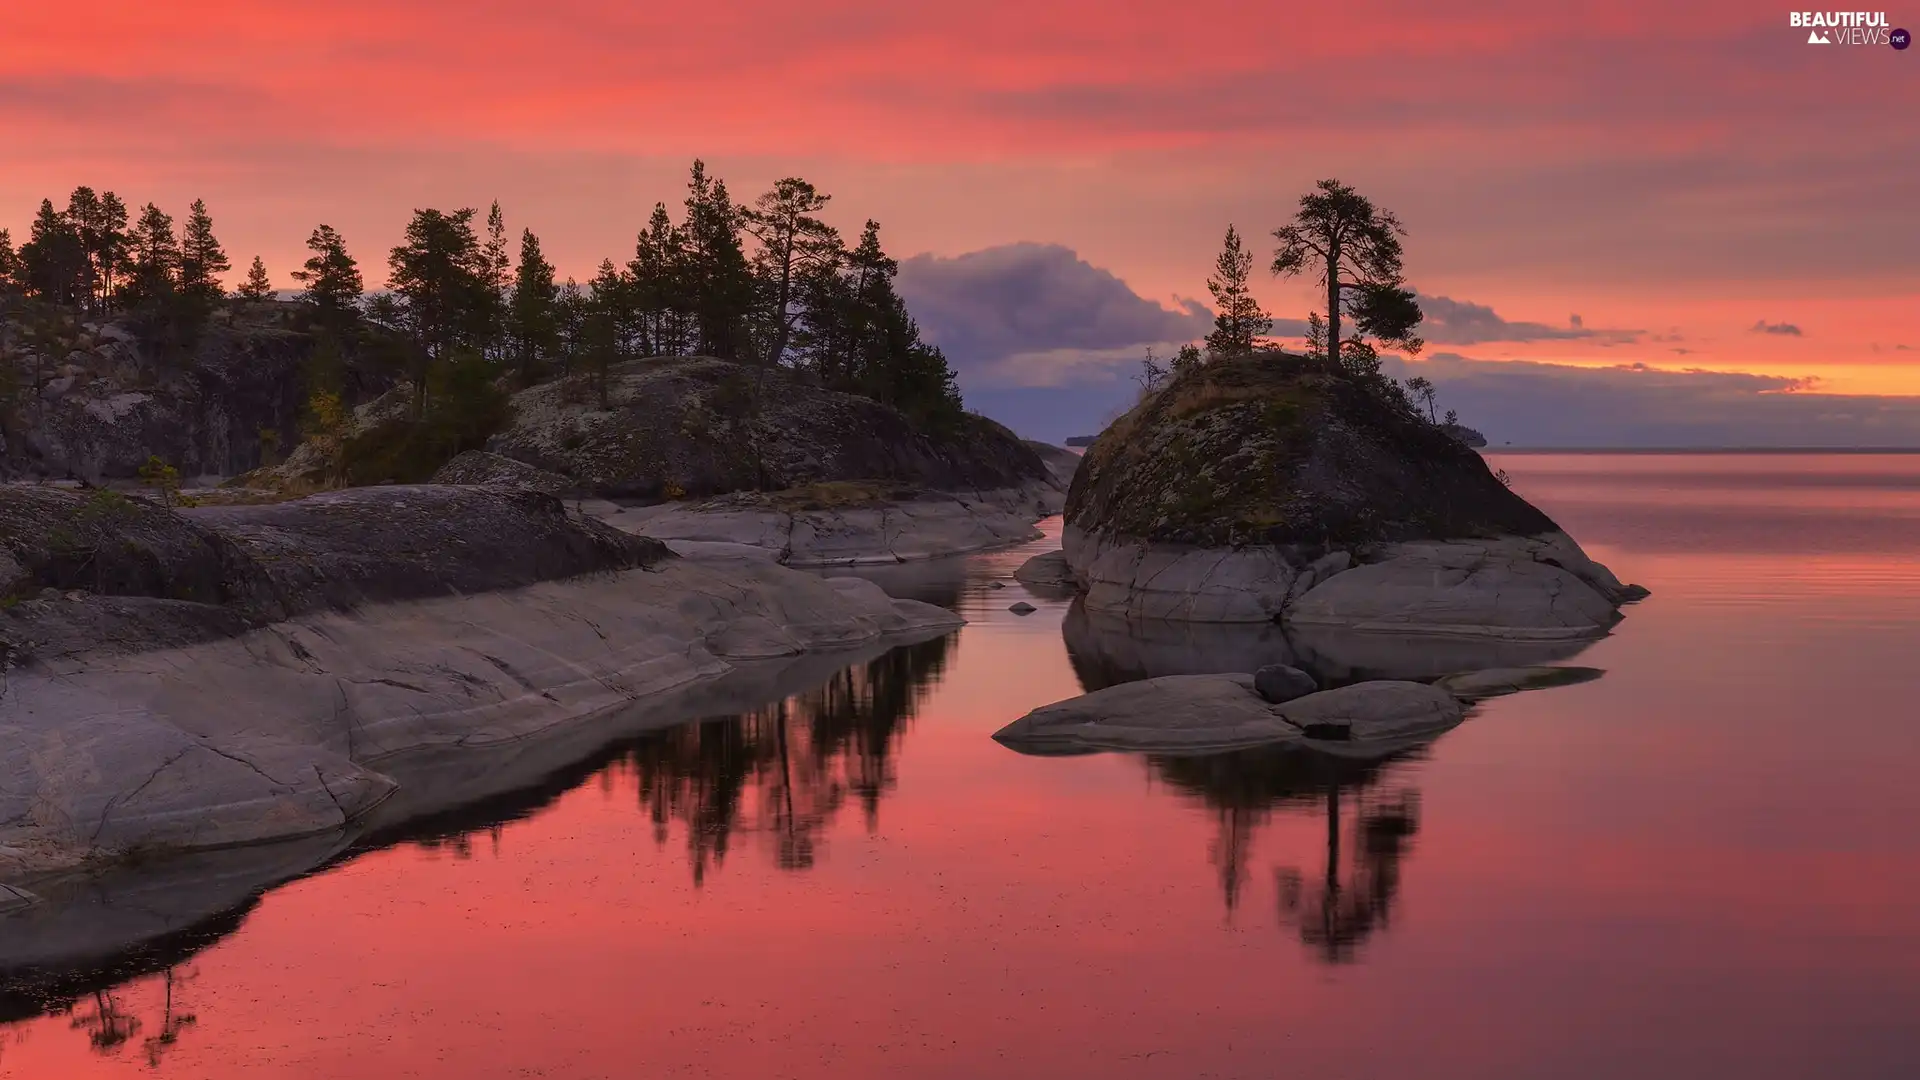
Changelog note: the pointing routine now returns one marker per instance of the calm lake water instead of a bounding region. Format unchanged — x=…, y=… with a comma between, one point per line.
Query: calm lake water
x=1703, y=864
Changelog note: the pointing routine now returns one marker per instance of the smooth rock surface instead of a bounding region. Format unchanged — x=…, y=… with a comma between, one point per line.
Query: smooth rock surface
x=1364, y=717
x=1516, y=587
x=246, y=671
x=1022, y=608
x=1280, y=683
x=1047, y=570
x=924, y=526
x=1175, y=714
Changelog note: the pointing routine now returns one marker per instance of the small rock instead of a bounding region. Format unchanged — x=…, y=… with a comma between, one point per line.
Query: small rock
x=1023, y=608
x=49, y=593
x=1278, y=683
x=996, y=584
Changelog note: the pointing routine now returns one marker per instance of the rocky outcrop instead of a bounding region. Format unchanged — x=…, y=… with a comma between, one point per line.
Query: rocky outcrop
x=96, y=402
x=689, y=427
x=1061, y=463
x=1047, y=570
x=850, y=524
x=481, y=467
x=184, y=680
x=1204, y=714
x=1266, y=489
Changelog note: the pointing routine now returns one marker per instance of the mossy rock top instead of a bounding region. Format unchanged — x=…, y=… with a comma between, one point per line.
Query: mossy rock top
x=1275, y=449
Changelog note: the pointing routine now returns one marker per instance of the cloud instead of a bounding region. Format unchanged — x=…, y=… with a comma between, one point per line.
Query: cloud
x=1038, y=315
x=1461, y=322
x=1524, y=403
x=1783, y=328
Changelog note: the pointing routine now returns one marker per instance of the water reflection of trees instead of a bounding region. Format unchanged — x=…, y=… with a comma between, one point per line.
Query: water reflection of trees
x=786, y=770
x=1370, y=821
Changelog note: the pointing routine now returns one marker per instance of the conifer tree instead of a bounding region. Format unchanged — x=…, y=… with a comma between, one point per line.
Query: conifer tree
x=657, y=272
x=332, y=280
x=440, y=277
x=53, y=260
x=794, y=244
x=86, y=216
x=10, y=273
x=1239, y=322
x=202, y=260
x=153, y=256
x=719, y=281
x=1354, y=249
x=533, y=323
x=110, y=256
x=257, y=286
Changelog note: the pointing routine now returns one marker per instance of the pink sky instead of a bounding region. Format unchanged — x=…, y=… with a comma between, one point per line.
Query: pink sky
x=1687, y=171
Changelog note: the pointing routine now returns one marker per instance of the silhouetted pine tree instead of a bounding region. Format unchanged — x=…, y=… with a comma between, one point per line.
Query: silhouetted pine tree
x=10, y=272
x=440, y=278
x=257, y=286
x=532, y=321
x=53, y=260
x=719, y=280
x=202, y=261
x=794, y=244
x=333, y=284
x=1239, y=322
x=658, y=272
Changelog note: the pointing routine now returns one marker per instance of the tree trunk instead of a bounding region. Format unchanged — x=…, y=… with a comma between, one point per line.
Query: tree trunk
x=1333, y=301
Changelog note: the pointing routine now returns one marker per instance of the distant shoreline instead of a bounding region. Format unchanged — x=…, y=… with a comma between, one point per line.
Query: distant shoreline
x=1700, y=450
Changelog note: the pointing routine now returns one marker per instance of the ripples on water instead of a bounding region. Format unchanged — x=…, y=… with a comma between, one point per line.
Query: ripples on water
x=1703, y=864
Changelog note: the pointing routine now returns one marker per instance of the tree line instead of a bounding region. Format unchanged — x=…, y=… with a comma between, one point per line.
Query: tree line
x=768, y=283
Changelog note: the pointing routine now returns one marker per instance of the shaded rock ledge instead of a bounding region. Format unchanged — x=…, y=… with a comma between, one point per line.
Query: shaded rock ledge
x=188, y=680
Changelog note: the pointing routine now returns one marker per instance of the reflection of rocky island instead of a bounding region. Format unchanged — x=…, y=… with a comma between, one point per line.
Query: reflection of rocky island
x=1352, y=895
x=1106, y=650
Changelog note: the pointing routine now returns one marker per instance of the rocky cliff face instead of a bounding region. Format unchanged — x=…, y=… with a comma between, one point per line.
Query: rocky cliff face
x=1266, y=488
x=90, y=401
x=690, y=427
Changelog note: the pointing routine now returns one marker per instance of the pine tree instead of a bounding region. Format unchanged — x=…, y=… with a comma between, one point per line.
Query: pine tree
x=719, y=281
x=1239, y=323
x=601, y=337
x=202, y=260
x=1354, y=249
x=332, y=280
x=10, y=272
x=86, y=216
x=658, y=272
x=110, y=257
x=793, y=245
x=497, y=273
x=53, y=260
x=570, y=316
x=533, y=322
x=440, y=276
x=153, y=260
x=257, y=286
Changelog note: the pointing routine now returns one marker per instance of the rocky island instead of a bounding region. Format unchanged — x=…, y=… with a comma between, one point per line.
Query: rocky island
x=1269, y=488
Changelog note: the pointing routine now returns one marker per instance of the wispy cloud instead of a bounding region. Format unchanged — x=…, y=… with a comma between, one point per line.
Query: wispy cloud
x=1782, y=329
